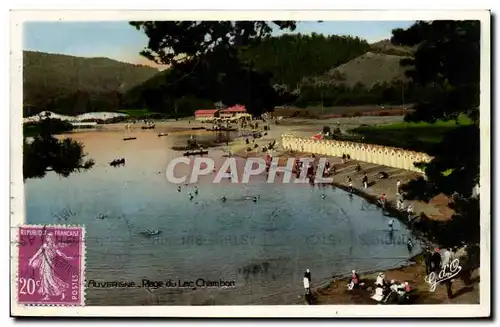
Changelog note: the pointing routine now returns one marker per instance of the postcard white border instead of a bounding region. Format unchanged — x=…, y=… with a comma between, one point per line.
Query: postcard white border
x=17, y=187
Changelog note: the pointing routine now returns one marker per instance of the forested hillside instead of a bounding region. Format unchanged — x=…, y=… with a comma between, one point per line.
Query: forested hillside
x=303, y=70
x=291, y=57
x=368, y=69
x=72, y=85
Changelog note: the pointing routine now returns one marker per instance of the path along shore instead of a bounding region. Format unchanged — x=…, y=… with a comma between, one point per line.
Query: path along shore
x=465, y=290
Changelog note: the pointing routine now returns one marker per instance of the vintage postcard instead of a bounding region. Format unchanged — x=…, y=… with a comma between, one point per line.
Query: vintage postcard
x=286, y=164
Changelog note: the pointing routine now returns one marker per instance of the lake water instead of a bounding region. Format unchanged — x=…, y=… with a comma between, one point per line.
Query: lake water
x=263, y=246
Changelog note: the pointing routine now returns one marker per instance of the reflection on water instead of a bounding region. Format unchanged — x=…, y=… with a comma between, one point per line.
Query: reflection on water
x=263, y=246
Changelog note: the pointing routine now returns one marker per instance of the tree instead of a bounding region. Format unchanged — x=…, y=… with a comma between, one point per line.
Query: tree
x=453, y=82
x=205, y=59
x=446, y=66
x=437, y=64
x=176, y=42
x=46, y=153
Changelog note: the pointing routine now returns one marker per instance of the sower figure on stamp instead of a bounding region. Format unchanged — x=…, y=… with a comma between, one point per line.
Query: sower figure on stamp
x=44, y=259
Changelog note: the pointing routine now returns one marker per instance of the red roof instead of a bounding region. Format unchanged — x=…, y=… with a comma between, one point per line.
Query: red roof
x=236, y=108
x=205, y=112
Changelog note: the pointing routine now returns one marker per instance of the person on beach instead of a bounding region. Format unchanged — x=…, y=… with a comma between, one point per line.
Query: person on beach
x=343, y=157
x=307, y=275
x=409, y=245
x=381, y=282
x=383, y=175
x=400, y=204
x=349, y=182
x=428, y=261
x=383, y=201
x=436, y=261
x=406, y=291
x=391, y=222
x=398, y=187
x=378, y=295
x=307, y=286
x=358, y=168
x=354, y=281
x=410, y=212
x=365, y=181
x=449, y=290
x=445, y=258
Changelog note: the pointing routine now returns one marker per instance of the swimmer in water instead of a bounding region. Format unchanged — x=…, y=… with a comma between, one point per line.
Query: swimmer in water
x=190, y=196
x=322, y=196
x=409, y=244
x=254, y=199
x=178, y=188
x=196, y=190
x=223, y=199
x=391, y=222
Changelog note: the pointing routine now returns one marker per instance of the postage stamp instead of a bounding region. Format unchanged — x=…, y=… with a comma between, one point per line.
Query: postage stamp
x=51, y=265
x=195, y=160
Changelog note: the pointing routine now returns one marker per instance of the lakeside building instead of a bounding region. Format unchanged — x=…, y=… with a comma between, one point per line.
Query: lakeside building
x=206, y=114
x=236, y=112
x=233, y=113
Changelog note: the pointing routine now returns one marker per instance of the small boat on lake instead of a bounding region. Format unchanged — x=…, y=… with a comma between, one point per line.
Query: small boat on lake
x=162, y=134
x=117, y=162
x=150, y=232
x=148, y=127
x=129, y=138
x=195, y=153
x=196, y=128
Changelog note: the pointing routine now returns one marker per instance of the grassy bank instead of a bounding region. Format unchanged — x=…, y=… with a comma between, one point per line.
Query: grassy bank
x=412, y=136
x=139, y=113
x=318, y=112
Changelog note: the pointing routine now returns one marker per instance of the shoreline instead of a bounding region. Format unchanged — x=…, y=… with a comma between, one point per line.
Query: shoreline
x=466, y=290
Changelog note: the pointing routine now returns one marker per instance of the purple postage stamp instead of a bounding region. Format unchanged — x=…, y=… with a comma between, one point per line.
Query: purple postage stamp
x=51, y=265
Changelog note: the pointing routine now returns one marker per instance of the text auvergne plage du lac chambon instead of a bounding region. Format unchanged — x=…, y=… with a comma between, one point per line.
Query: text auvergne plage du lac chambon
x=168, y=283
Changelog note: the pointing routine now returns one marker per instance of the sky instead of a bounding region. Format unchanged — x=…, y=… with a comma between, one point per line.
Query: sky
x=120, y=41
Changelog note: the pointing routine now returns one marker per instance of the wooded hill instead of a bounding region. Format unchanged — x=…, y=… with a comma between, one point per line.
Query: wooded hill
x=72, y=85
x=306, y=70
x=300, y=66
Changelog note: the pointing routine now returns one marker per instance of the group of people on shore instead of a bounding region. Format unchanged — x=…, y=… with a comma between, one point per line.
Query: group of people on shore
x=383, y=291
x=400, y=203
